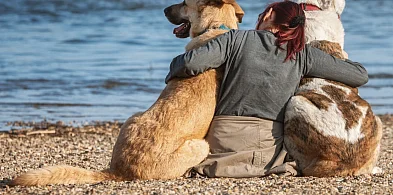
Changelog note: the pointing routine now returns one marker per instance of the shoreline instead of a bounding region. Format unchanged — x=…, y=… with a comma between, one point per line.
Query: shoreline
x=59, y=128
x=90, y=146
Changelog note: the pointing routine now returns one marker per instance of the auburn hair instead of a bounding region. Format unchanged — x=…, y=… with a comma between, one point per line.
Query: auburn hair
x=290, y=21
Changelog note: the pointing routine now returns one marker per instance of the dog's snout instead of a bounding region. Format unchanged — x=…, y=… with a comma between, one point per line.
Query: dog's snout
x=167, y=10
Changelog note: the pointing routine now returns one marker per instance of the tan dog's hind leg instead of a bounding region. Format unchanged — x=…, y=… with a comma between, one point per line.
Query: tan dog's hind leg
x=190, y=154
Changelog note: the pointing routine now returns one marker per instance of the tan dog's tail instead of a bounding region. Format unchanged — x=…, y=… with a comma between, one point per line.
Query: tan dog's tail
x=61, y=174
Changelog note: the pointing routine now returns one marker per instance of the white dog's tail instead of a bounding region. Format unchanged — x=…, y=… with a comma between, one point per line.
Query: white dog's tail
x=61, y=174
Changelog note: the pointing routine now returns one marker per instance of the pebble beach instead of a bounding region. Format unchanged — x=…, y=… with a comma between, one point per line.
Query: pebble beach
x=34, y=145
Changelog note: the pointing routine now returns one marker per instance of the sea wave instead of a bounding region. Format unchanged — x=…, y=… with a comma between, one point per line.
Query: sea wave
x=54, y=7
x=381, y=76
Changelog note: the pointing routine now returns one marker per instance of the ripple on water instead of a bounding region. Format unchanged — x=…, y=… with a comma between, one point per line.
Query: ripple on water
x=107, y=59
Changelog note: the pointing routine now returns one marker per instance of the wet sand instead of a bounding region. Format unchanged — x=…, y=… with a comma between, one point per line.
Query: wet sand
x=90, y=146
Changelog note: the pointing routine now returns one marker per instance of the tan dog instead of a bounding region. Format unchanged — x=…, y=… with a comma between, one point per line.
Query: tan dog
x=329, y=129
x=167, y=139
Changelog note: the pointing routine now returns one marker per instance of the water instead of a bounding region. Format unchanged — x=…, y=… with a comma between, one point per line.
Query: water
x=89, y=60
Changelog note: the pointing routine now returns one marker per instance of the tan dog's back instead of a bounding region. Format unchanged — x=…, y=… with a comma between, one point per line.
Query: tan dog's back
x=329, y=129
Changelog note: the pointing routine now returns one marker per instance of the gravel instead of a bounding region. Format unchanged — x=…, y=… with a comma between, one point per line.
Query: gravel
x=34, y=145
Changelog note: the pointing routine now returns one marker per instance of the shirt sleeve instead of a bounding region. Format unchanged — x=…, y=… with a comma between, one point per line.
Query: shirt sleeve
x=322, y=65
x=199, y=60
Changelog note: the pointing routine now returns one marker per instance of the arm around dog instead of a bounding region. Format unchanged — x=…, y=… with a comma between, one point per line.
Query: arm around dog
x=199, y=60
x=322, y=65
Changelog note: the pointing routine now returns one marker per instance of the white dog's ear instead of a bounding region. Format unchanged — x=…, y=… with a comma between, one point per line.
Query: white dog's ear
x=339, y=6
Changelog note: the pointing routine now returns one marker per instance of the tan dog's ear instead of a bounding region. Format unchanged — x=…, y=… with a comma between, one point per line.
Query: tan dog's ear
x=238, y=10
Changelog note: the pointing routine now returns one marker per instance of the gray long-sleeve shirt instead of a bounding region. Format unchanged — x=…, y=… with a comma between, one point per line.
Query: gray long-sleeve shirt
x=257, y=82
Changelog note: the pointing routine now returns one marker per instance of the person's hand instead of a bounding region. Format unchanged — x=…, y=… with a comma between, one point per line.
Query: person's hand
x=345, y=54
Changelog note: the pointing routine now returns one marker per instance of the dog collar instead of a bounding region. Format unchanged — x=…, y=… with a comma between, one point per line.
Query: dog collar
x=311, y=7
x=222, y=27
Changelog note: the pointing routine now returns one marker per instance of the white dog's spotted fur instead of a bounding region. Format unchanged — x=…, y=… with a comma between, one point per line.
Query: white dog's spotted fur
x=322, y=118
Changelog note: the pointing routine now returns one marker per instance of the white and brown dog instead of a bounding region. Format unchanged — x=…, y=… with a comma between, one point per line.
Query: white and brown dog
x=329, y=129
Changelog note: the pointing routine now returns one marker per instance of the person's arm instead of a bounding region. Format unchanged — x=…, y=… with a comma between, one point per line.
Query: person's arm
x=322, y=65
x=197, y=61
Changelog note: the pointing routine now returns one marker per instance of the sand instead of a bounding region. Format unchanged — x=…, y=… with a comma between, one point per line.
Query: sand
x=41, y=144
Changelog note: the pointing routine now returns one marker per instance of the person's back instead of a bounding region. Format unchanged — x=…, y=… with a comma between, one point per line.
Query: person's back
x=257, y=82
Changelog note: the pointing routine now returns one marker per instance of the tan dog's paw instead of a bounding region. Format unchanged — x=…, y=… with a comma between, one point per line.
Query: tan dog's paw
x=189, y=154
x=198, y=147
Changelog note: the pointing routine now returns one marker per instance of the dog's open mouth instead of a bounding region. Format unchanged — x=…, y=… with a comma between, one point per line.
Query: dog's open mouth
x=183, y=31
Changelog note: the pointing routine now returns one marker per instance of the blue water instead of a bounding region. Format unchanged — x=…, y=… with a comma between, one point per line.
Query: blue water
x=89, y=60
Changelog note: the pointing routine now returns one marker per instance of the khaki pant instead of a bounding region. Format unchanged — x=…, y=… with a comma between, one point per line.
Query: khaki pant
x=245, y=147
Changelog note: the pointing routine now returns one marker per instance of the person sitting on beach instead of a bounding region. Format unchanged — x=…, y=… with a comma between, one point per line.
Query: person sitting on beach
x=262, y=69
